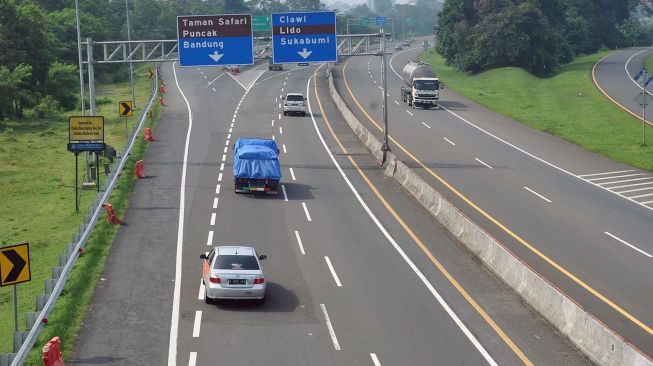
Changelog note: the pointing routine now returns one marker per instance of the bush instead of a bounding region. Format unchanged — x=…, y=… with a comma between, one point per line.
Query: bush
x=48, y=107
x=103, y=101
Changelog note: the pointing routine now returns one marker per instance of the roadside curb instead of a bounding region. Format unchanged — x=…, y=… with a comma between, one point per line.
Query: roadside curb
x=601, y=344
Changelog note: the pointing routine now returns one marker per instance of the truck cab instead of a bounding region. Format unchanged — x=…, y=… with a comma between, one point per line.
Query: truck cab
x=426, y=92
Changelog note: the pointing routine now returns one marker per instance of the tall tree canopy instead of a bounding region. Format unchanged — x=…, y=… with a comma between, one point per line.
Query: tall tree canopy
x=537, y=35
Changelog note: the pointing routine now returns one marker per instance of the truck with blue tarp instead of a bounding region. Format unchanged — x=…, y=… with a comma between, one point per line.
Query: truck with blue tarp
x=256, y=166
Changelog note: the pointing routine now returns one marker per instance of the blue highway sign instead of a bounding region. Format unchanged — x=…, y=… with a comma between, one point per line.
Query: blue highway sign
x=304, y=37
x=215, y=40
x=380, y=21
x=86, y=146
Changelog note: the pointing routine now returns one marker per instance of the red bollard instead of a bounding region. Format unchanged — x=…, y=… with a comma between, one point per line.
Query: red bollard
x=51, y=353
x=161, y=101
x=148, y=134
x=139, y=169
x=111, y=215
x=234, y=71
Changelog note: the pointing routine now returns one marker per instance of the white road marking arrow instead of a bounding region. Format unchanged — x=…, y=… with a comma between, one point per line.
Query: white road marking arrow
x=215, y=56
x=305, y=53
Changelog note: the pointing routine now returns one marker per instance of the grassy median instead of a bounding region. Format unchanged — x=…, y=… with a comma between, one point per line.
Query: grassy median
x=38, y=195
x=648, y=64
x=566, y=105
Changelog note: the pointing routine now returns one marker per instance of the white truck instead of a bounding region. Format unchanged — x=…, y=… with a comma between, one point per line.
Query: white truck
x=422, y=85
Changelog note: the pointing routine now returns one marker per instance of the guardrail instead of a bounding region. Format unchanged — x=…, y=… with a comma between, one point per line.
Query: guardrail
x=24, y=341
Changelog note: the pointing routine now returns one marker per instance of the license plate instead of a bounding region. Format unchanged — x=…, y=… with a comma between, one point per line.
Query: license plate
x=238, y=282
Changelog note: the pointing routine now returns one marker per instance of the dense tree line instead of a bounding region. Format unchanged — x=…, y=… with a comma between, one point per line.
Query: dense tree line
x=421, y=13
x=537, y=35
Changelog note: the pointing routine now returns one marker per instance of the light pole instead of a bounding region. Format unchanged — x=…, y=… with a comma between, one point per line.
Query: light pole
x=131, y=65
x=81, y=86
x=386, y=145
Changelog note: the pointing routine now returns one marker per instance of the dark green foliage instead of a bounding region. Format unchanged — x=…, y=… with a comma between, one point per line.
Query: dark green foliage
x=537, y=35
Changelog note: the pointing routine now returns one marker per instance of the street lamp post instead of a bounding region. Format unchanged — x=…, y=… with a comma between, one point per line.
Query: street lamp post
x=384, y=73
x=131, y=65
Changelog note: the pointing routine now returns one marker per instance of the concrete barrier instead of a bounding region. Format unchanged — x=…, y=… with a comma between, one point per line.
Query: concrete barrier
x=593, y=338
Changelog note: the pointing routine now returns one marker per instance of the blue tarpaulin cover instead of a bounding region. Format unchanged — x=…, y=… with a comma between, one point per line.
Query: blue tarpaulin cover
x=257, y=161
x=244, y=141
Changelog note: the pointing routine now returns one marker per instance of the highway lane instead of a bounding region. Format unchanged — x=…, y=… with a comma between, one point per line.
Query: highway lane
x=542, y=190
x=614, y=76
x=344, y=267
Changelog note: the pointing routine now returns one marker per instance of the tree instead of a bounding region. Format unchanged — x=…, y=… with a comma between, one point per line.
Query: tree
x=305, y=5
x=14, y=89
x=62, y=83
x=383, y=7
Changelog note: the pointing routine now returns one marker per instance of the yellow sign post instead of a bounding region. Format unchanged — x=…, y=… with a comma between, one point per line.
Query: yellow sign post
x=125, y=108
x=86, y=128
x=14, y=265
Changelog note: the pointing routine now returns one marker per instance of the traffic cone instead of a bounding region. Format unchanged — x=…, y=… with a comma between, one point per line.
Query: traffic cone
x=162, y=89
x=139, y=169
x=161, y=101
x=111, y=215
x=148, y=134
x=52, y=354
x=150, y=114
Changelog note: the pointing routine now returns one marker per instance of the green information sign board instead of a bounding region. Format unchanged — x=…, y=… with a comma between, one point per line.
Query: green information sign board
x=261, y=23
x=364, y=21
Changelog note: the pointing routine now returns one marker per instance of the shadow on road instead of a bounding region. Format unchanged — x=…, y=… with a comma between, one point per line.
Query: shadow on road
x=278, y=299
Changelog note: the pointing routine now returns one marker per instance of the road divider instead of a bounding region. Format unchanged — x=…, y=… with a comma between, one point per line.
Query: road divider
x=591, y=336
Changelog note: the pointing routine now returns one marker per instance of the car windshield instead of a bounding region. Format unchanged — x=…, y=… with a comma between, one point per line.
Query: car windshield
x=236, y=262
x=426, y=85
x=295, y=98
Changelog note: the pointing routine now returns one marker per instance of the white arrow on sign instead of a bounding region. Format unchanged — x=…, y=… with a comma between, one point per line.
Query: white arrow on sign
x=215, y=56
x=305, y=53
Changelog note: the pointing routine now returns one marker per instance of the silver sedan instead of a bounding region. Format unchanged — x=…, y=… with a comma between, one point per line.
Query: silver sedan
x=233, y=272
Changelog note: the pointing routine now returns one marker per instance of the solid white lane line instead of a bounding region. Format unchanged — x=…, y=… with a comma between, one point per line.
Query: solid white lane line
x=537, y=194
x=284, y=148
x=332, y=333
x=425, y=125
x=272, y=123
x=217, y=189
x=641, y=195
x=220, y=177
x=224, y=157
x=628, y=244
x=285, y=196
x=622, y=181
x=213, y=219
x=215, y=202
x=375, y=359
x=209, y=240
x=397, y=103
x=280, y=130
x=480, y=161
x=409, y=112
x=197, y=324
x=192, y=359
x=174, y=318
x=636, y=190
x=393, y=242
x=292, y=173
x=614, y=177
x=200, y=295
x=333, y=271
x=308, y=216
x=226, y=148
x=617, y=172
x=299, y=242
x=449, y=141
x=221, y=166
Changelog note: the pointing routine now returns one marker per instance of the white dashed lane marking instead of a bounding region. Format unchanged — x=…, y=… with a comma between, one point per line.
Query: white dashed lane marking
x=216, y=200
x=292, y=174
x=425, y=125
x=213, y=219
x=537, y=194
x=308, y=215
x=299, y=242
x=197, y=324
x=333, y=271
x=209, y=240
x=332, y=332
x=449, y=141
x=480, y=161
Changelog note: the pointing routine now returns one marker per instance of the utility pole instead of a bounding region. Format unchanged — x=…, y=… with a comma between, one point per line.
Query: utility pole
x=131, y=65
x=81, y=64
x=384, y=73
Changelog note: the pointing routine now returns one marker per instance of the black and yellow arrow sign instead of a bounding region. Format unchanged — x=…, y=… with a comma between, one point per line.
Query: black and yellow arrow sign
x=125, y=108
x=14, y=265
x=150, y=74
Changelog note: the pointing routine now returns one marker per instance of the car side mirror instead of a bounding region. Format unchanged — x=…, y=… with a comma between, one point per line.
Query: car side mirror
x=202, y=256
x=262, y=257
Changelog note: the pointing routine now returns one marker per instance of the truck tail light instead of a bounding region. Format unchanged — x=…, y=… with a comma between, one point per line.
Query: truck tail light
x=215, y=279
x=259, y=280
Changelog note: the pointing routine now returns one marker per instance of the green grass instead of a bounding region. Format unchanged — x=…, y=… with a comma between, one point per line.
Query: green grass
x=648, y=63
x=37, y=180
x=567, y=105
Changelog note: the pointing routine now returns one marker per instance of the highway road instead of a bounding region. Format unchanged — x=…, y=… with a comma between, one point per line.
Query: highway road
x=614, y=76
x=358, y=273
x=582, y=221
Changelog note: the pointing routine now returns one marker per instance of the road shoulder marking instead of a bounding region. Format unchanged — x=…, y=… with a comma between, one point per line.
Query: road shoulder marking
x=628, y=244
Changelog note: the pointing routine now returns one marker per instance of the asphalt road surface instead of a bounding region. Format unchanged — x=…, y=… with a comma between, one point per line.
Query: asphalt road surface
x=357, y=272
x=614, y=75
x=582, y=221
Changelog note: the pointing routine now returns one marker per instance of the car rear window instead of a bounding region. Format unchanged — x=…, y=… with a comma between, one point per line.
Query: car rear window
x=236, y=262
x=295, y=98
